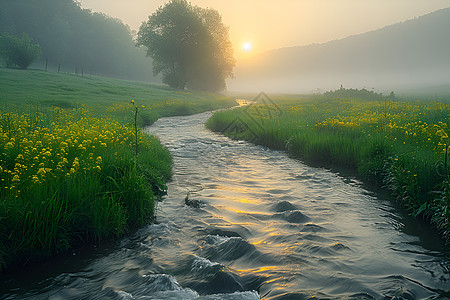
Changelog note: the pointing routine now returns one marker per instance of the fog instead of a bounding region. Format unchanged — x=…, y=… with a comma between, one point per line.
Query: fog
x=272, y=24
x=411, y=54
x=76, y=40
x=404, y=56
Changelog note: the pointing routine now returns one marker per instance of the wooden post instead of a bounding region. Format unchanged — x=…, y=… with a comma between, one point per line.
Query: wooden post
x=59, y=68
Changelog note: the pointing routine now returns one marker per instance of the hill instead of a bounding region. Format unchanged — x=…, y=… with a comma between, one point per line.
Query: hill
x=27, y=89
x=410, y=54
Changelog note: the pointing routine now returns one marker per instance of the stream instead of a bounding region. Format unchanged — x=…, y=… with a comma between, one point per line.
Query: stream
x=259, y=225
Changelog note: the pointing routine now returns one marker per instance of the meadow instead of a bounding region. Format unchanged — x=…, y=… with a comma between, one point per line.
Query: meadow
x=401, y=145
x=34, y=89
x=75, y=167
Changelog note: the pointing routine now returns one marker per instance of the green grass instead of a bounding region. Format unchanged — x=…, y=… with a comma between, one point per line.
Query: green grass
x=397, y=144
x=36, y=88
x=69, y=170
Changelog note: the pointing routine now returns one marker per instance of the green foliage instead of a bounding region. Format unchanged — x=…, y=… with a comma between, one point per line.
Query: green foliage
x=189, y=46
x=66, y=178
x=52, y=208
x=362, y=94
x=35, y=89
x=75, y=38
x=402, y=146
x=441, y=206
x=18, y=52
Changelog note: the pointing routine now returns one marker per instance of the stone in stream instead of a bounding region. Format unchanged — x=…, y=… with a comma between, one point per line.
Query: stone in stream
x=292, y=216
x=191, y=202
x=284, y=206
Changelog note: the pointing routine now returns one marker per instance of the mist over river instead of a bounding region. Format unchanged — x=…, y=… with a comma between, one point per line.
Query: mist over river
x=259, y=225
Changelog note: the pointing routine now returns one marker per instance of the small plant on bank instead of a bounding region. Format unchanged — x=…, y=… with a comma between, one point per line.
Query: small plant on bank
x=135, y=124
x=158, y=186
x=442, y=202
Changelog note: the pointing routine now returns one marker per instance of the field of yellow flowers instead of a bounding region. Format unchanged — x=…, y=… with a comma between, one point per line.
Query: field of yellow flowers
x=71, y=174
x=403, y=145
x=68, y=176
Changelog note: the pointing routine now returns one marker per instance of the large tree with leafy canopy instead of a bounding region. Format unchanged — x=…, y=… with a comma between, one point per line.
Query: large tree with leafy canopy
x=189, y=45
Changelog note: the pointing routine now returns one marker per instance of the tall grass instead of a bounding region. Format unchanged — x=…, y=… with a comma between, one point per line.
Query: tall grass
x=400, y=145
x=67, y=177
x=74, y=166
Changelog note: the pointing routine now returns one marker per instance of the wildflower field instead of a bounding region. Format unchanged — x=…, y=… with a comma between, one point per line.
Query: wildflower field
x=74, y=165
x=67, y=177
x=403, y=145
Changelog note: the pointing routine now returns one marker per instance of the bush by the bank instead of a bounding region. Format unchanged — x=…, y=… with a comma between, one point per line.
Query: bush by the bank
x=68, y=177
x=402, y=145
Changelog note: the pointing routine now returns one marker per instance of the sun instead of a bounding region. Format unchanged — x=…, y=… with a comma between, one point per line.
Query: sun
x=247, y=46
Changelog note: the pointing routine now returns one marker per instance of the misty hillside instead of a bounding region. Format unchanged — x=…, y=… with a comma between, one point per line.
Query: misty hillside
x=401, y=56
x=73, y=38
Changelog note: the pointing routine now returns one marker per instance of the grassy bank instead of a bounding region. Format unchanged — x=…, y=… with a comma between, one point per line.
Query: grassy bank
x=401, y=145
x=73, y=167
x=35, y=89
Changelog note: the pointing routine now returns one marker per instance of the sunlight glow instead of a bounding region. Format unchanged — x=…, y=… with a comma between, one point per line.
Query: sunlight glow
x=247, y=47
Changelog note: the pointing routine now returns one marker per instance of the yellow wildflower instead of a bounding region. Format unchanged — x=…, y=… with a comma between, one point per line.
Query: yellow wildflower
x=35, y=179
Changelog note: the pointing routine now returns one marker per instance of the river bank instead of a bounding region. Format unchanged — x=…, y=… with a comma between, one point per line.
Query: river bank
x=75, y=167
x=267, y=227
x=401, y=145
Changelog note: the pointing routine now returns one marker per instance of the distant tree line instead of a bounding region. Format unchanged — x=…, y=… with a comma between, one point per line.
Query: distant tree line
x=363, y=94
x=74, y=38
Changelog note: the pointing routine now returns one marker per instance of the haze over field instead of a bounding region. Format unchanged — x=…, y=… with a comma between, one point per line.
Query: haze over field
x=409, y=55
x=271, y=24
x=385, y=44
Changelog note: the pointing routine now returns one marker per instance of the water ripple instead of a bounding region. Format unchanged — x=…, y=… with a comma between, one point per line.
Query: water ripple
x=266, y=226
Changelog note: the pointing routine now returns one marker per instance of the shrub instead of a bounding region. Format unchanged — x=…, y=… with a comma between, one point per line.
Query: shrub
x=18, y=52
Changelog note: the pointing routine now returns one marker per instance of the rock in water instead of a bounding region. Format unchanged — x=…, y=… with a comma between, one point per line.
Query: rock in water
x=192, y=203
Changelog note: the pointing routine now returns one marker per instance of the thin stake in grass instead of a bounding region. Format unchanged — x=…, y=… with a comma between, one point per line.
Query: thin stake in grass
x=447, y=145
x=135, y=112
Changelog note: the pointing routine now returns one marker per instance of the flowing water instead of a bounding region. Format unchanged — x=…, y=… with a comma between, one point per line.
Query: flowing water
x=258, y=225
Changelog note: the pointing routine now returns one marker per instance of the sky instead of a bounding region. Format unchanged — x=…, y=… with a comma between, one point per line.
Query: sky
x=262, y=25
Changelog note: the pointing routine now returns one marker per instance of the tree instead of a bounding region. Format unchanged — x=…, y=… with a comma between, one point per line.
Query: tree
x=72, y=37
x=18, y=52
x=189, y=46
